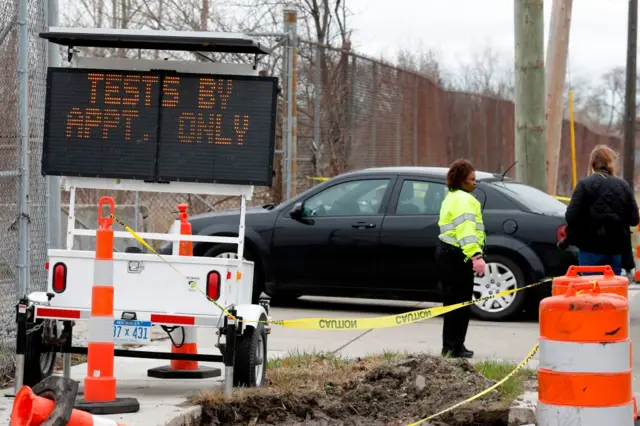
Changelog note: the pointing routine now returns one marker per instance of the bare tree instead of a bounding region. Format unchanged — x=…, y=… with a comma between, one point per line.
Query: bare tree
x=600, y=104
x=489, y=73
x=424, y=61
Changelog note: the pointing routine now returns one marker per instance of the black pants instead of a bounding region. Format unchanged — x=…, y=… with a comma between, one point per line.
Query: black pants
x=456, y=280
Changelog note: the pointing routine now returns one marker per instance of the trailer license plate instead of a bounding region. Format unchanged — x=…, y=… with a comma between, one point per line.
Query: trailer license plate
x=137, y=332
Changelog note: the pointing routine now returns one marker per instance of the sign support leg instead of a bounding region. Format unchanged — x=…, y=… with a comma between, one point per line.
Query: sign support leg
x=230, y=354
x=21, y=342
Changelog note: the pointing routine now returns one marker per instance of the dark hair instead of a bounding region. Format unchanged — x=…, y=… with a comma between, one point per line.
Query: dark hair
x=458, y=172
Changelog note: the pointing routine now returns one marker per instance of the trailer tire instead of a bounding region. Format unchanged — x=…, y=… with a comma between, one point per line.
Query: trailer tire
x=251, y=357
x=37, y=366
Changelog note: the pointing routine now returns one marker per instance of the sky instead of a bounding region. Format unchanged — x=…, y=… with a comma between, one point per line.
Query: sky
x=458, y=28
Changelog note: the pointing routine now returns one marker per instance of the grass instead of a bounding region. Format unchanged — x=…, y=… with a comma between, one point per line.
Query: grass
x=303, y=372
x=495, y=370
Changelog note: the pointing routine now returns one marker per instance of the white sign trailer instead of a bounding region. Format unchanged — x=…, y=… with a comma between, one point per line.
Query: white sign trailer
x=148, y=291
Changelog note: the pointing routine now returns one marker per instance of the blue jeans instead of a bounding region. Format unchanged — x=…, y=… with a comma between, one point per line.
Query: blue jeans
x=586, y=258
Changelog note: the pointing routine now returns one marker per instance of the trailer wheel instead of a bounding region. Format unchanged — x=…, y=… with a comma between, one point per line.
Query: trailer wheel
x=251, y=357
x=38, y=365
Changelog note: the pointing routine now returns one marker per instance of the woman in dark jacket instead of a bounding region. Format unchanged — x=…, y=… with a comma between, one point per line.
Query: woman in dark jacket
x=602, y=210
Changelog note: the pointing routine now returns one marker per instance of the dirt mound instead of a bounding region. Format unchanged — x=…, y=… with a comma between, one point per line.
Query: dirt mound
x=365, y=393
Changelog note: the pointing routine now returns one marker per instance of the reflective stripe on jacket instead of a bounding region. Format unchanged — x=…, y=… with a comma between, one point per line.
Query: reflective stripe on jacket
x=461, y=223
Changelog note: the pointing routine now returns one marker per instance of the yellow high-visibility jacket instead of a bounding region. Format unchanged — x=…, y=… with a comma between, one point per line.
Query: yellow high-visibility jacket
x=461, y=223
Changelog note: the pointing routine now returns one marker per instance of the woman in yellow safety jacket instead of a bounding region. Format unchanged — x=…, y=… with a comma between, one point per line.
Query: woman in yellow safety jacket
x=459, y=254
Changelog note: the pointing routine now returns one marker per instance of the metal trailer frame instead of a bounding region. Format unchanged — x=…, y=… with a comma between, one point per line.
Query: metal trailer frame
x=56, y=340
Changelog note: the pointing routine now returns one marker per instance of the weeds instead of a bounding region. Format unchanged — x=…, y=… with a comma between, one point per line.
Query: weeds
x=496, y=371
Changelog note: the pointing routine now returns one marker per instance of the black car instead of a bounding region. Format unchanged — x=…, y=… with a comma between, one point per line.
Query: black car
x=372, y=234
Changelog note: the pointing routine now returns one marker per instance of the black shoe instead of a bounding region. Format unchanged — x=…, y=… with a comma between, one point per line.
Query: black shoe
x=464, y=349
x=460, y=353
x=463, y=354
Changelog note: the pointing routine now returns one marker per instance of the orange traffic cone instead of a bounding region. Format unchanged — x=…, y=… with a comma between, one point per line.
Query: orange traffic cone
x=182, y=369
x=99, y=383
x=30, y=409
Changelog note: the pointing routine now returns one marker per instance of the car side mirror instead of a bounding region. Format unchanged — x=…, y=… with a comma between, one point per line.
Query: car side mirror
x=297, y=211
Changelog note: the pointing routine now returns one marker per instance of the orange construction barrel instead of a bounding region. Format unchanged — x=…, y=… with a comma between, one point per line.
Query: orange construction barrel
x=608, y=281
x=584, y=370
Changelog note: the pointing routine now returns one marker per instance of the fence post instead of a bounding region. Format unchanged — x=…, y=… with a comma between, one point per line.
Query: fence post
x=284, y=158
x=374, y=123
x=415, y=120
x=54, y=207
x=317, y=107
x=290, y=28
x=352, y=111
x=400, y=79
x=23, y=72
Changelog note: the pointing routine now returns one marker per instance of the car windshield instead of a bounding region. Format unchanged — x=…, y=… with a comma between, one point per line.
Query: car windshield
x=532, y=198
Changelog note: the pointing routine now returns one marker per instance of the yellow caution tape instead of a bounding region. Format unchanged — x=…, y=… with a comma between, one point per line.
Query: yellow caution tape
x=484, y=392
x=318, y=178
x=345, y=324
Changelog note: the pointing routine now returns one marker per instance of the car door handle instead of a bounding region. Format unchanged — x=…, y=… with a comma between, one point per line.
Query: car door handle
x=363, y=225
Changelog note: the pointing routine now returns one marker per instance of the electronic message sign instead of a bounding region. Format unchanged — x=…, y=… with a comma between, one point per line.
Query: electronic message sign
x=160, y=126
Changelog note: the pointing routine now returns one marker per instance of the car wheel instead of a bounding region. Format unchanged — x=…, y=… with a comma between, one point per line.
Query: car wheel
x=501, y=274
x=229, y=251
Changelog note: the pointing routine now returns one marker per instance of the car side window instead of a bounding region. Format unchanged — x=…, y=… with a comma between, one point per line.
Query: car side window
x=420, y=198
x=353, y=198
x=480, y=196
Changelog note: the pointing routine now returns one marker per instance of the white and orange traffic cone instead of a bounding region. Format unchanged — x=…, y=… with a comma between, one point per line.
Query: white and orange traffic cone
x=185, y=337
x=100, y=384
x=30, y=409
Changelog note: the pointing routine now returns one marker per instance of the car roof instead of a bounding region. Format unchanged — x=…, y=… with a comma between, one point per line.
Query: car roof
x=440, y=172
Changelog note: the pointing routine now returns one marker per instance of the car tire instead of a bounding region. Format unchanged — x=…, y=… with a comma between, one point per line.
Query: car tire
x=501, y=274
x=230, y=250
x=38, y=365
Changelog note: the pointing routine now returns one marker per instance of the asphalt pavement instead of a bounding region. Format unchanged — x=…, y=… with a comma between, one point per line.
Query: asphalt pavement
x=163, y=400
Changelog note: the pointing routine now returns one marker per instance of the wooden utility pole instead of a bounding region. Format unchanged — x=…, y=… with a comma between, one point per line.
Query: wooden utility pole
x=630, y=96
x=530, y=147
x=557, y=52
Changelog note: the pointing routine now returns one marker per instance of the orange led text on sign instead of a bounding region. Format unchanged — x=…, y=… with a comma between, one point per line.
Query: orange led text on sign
x=115, y=90
x=124, y=94
x=206, y=126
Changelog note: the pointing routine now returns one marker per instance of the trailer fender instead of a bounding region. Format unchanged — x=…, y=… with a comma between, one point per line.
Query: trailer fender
x=251, y=314
x=38, y=298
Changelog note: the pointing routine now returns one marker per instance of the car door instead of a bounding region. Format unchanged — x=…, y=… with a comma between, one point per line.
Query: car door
x=334, y=243
x=410, y=233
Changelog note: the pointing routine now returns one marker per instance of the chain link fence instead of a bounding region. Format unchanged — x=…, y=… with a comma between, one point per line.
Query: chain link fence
x=11, y=167
x=356, y=112
x=9, y=183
